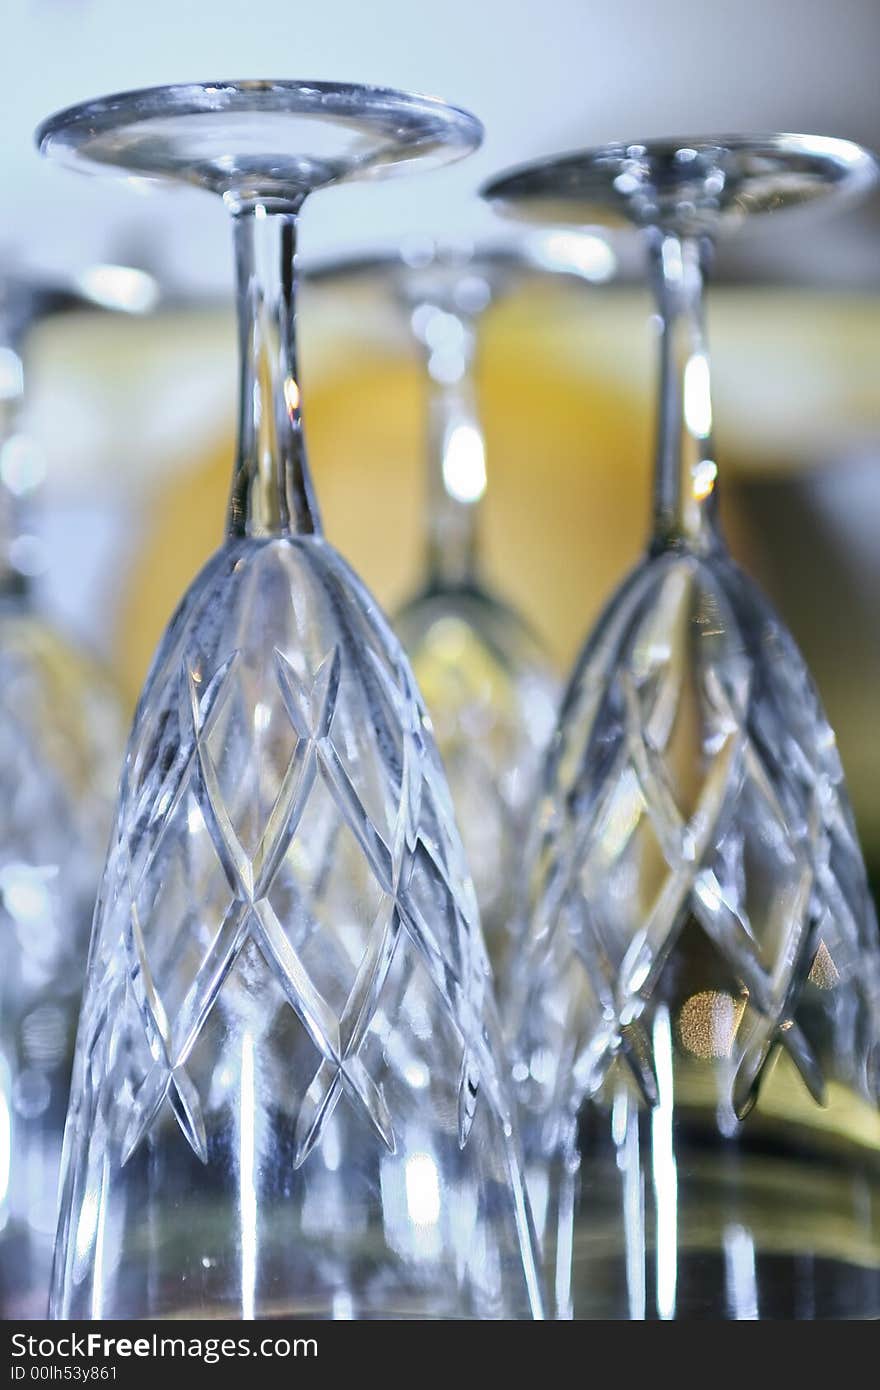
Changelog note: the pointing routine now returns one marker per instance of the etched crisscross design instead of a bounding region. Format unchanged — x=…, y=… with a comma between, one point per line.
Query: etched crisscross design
x=442, y=928
x=250, y=914
x=767, y=785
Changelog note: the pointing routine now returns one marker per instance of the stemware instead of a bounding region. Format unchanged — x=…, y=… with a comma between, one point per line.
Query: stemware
x=287, y=1099
x=698, y=1001
x=488, y=685
x=60, y=749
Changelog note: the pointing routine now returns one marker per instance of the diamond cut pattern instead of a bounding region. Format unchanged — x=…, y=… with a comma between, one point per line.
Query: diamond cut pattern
x=250, y=914
x=749, y=864
x=178, y=769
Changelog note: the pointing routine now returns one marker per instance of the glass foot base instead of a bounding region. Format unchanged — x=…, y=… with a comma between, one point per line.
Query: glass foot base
x=685, y=186
x=261, y=139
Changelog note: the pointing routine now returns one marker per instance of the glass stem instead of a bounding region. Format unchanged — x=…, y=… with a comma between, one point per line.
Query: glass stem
x=272, y=491
x=685, y=491
x=456, y=468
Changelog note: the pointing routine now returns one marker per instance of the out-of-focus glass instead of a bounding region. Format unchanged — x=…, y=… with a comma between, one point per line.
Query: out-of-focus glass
x=288, y=1097
x=488, y=685
x=698, y=999
x=60, y=750
x=492, y=695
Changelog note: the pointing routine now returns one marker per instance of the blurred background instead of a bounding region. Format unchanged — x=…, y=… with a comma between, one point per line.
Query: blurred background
x=129, y=421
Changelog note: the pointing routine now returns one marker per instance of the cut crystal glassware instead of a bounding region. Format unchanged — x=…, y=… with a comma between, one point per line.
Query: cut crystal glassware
x=288, y=1097
x=60, y=749
x=697, y=1001
x=488, y=685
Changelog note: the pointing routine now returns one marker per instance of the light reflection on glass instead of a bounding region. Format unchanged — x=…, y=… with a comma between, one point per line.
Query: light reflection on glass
x=331, y=1150
x=246, y=1179
x=417, y=1073
x=739, y=1269
x=119, y=287
x=664, y=1167
x=422, y=1189
x=582, y=252
x=291, y=396
x=343, y=1306
x=100, y=1224
x=464, y=464
x=565, y=1237
x=704, y=476
x=697, y=403
x=625, y=1130
x=85, y=1228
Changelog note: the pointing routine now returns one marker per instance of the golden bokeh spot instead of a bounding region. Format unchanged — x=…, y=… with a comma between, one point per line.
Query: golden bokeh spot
x=708, y=1022
x=705, y=475
x=823, y=972
x=291, y=396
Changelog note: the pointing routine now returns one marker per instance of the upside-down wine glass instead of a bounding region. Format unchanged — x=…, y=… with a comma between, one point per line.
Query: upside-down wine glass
x=61, y=745
x=288, y=1100
x=698, y=1003
x=488, y=685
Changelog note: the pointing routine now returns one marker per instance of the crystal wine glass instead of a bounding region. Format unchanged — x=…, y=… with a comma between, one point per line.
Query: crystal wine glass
x=288, y=1099
x=698, y=1004
x=60, y=749
x=488, y=685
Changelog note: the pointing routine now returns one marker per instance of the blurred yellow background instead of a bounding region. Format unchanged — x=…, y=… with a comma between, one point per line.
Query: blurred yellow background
x=567, y=397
